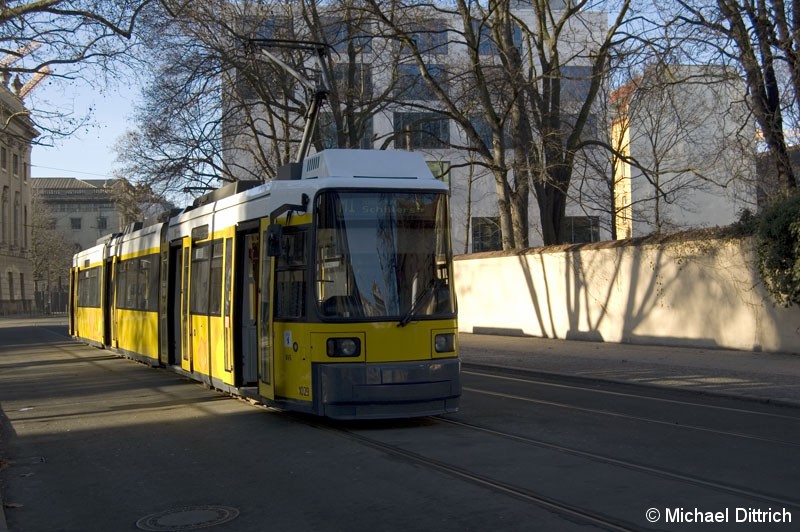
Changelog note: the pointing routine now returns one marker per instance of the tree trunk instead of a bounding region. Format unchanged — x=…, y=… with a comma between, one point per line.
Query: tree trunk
x=504, y=208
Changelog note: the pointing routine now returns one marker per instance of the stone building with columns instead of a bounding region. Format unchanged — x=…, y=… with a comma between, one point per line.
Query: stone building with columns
x=16, y=137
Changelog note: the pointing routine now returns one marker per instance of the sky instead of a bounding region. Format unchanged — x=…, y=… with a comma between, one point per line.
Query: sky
x=89, y=153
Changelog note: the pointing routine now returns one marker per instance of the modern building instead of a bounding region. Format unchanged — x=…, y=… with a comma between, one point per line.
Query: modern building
x=769, y=187
x=74, y=214
x=378, y=72
x=83, y=209
x=16, y=137
x=688, y=141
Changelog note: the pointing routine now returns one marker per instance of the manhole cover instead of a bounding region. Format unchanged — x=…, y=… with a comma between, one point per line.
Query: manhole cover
x=187, y=518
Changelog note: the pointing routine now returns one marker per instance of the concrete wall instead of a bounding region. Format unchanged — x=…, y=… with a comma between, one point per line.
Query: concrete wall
x=700, y=292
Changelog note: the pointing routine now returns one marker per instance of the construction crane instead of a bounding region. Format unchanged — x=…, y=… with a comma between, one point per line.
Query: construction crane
x=22, y=90
x=34, y=81
x=19, y=53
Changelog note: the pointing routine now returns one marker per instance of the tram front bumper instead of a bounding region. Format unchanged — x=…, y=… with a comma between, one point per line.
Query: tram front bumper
x=388, y=390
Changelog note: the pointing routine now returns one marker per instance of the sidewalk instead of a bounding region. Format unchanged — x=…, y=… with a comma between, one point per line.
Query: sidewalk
x=768, y=377
x=756, y=376
x=765, y=377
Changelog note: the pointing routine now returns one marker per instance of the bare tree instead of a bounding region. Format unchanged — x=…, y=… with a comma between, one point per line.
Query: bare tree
x=205, y=92
x=66, y=40
x=219, y=107
x=513, y=64
x=759, y=37
x=136, y=201
x=51, y=250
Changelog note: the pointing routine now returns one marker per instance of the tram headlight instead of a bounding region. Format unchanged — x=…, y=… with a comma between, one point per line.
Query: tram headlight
x=344, y=347
x=445, y=343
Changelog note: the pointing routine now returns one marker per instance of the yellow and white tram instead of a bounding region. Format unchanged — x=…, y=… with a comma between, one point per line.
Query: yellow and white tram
x=328, y=290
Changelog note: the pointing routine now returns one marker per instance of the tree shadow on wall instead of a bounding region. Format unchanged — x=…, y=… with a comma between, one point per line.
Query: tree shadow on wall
x=600, y=283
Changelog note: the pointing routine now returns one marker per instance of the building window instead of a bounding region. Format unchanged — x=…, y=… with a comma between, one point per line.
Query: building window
x=25, y=227
x=343, y=34
x=328, y=133
x=485, y=134
x=102, y=223
x=440, y=170
x=580, y=229
x=244, y=88
x=11, y=286
x=16, y=218
x=486, y=234
x=575, y=83
x=411, y=86
x=4, y=159
x=590, y=130
x=430, y=37
x=486, y=44
x=15, y=164
x=75, y=223
x=4, y=217
x=353, y=81
x=421, y=130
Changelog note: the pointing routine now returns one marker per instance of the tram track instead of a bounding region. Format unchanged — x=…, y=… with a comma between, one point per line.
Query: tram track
x=538, y=498
x=661, y=472
x=517, y=492
x=618, y=415
x=634, y=418
x=540, y=381
x=562, y=503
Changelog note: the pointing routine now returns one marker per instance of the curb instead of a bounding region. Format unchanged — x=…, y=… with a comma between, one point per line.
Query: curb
x=787, y=403
x=3, y=524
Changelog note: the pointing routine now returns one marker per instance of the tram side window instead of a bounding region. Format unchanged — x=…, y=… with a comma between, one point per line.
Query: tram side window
x=125, y=294
x=148, y=283
x=89, y=287
x=215, y=298
x=137, y=283
x=198, y=294
x=205, y=295
x=290, y=275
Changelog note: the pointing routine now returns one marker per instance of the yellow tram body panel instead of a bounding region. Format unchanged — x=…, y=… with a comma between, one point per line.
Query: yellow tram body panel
x=217, y=345
x=299, y=345
x=89, y=316
x=89, y=324
x=210, y=331
x=137, y=333
x=207, y=292
x=135, y=318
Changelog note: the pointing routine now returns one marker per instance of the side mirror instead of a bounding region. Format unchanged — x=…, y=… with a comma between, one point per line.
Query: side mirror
x=274, y=234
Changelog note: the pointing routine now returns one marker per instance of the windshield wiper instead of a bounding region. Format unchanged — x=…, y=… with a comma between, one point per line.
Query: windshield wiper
x=422, y=296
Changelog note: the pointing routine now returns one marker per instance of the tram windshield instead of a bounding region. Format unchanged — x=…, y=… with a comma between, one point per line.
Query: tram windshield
x=383, y=255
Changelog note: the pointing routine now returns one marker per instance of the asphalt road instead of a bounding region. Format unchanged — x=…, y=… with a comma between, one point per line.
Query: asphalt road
x=93, y=442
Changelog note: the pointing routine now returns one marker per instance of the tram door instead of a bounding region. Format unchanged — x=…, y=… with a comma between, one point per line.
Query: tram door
x=186, y=341
x=164, y=294
x=73, y=288
x=107, y=301
x=175, y=328
x=266, y=359
x=205, y=303
x=246, y=286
